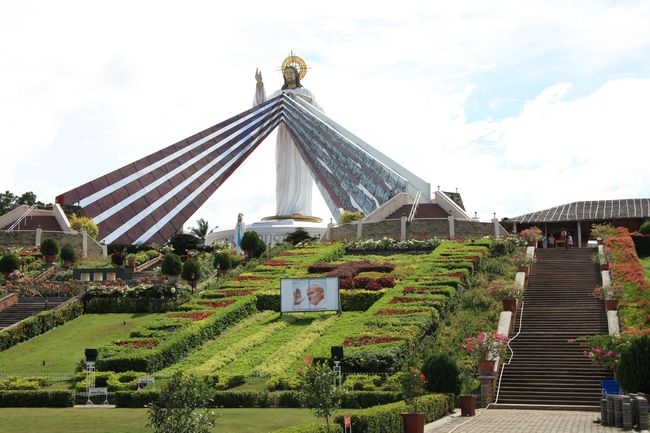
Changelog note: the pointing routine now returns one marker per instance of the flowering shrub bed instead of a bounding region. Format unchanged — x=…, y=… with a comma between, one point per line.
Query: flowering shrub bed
x=627, y=271
x=138, y=344
x=218, y=304
x=196, y=316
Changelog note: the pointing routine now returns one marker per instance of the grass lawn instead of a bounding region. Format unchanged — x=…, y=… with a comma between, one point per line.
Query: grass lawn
x=63, y=347
x=82, y=420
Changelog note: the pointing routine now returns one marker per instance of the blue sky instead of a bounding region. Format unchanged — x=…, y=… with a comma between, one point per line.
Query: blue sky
x=521, y=106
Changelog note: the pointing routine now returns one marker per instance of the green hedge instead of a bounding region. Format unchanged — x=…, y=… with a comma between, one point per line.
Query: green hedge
x=386, y=418
x=40, y=323
x=307, y=428
x=135, y=399
x=178, y=345
x=37, y=398
x=129, y=305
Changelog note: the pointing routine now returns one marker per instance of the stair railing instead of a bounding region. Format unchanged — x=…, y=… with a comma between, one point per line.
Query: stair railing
x=512, y=353
x=414, y=208
x=19, y=220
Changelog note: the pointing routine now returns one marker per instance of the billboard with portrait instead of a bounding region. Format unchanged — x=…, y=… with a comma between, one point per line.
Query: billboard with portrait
x=309, y=294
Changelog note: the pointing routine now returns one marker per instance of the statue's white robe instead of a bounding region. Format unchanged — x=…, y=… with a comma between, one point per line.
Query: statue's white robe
x=293, y=185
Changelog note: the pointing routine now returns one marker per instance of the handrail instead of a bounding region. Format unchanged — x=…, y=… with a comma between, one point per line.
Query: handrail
x=19, y=220
x=512, y=353
x=414, y=208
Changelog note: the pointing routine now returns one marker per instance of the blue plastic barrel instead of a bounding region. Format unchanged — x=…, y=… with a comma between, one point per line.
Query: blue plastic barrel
x=610, y=387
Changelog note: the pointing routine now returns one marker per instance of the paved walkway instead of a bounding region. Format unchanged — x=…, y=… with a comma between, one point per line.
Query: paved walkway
x=520, y=421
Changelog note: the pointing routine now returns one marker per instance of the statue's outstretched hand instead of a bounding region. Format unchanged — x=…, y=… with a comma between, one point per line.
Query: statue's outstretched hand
x=258, y=76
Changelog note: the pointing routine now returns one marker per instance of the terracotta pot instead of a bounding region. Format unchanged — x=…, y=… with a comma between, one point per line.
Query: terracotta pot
x=604, y=266
x=413, y=422
x=532, y=243
x=509, y=304
x=611, y=304
x=486, y=367
x=467, y=405
x=49, y=259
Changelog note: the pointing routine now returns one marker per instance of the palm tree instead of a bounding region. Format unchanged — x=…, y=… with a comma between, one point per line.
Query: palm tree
x=201, y=228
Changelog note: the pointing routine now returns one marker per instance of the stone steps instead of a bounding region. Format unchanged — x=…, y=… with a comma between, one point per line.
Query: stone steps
x=548, y=367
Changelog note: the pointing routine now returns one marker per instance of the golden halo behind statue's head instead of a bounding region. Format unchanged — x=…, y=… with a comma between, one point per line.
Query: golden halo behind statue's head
x=297, y=63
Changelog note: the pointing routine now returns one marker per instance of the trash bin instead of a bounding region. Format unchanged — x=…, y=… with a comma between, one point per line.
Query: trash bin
x=610, y=387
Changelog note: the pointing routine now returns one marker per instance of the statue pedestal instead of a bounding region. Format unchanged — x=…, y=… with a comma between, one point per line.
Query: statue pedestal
x=272, y=230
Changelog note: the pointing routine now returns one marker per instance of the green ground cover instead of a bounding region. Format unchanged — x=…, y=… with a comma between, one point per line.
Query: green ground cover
x=83, y=420
x=63, y=347
x=645, y=262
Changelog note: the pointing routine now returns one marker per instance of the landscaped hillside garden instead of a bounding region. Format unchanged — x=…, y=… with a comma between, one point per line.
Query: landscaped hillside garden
x=232, y=333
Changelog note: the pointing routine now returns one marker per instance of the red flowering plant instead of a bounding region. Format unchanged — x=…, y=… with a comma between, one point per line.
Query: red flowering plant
x=608, y=292
x=486, y=346
x=604, y=350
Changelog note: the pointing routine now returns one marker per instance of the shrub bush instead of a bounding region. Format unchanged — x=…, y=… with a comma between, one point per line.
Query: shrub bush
x=171, y=265
x=191, y=270
x=68, y=253
x=297, y=236
x=184, y=242
x=645, y=228
x=135, y=399
x=49, y=247
x=633, y=373
x=442, y=373
x=361, y=382
x=9, y=263
x=222, y=260
x=82, y=223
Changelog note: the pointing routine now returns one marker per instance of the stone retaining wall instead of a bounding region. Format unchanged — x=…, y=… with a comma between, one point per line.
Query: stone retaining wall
x=417, y=229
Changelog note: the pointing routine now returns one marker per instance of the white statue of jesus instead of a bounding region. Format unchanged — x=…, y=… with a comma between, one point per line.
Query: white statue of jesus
x=293, y=185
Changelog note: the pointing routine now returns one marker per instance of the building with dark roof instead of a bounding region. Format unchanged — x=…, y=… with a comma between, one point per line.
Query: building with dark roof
x=578, y=217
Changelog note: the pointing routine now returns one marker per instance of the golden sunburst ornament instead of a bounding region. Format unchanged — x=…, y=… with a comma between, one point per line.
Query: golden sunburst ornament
x=296, y=62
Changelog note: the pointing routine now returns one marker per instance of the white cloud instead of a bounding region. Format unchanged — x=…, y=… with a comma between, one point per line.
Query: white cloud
x=556, y=92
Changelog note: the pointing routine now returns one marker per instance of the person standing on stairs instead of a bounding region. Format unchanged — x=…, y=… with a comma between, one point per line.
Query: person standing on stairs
x=563, y=236
x=569, y=241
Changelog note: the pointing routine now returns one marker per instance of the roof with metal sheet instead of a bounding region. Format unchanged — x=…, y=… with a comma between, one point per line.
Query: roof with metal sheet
x=589, y=211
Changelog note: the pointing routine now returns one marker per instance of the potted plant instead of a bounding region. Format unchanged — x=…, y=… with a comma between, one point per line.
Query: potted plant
x=531, y=235
x=611, y=294
x=49, y=249
x=486, y=348
x=508, y=291
x=131, y=260
x=412, y=384
x=68, y=255
x=467, y=397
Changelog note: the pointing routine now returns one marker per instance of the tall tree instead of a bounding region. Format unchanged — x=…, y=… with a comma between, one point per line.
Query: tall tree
x=201, y=229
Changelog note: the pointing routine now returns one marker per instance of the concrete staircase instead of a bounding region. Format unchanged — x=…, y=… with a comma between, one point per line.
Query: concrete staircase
x=548, y=369
x=27, y=307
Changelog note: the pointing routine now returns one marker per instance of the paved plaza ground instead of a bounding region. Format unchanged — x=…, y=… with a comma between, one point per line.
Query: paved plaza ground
x=520, y=421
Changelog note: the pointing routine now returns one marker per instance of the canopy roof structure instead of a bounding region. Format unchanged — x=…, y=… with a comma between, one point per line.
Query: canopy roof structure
x=589, y=211
x=151, y=199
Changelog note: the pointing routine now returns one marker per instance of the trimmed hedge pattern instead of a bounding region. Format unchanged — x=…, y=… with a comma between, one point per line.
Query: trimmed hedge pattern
x=179, y=344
